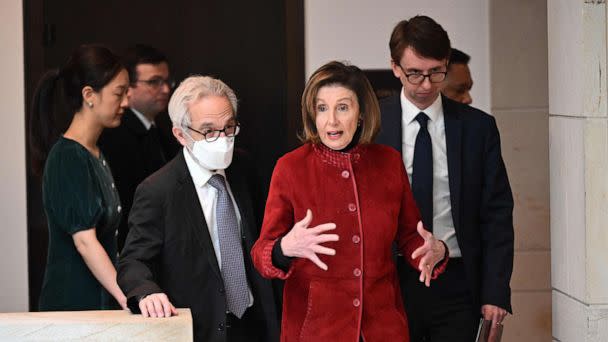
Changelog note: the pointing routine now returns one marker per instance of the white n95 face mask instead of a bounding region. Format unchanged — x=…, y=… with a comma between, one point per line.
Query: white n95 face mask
x=216, y=155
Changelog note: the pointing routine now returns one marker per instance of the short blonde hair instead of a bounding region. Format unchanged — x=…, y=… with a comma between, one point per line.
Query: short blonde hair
x=195, y=88
x=352, y=78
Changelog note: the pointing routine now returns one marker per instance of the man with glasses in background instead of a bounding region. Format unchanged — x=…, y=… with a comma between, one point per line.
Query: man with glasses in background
x=453, y=160
x=137, y=148
x=192, y=227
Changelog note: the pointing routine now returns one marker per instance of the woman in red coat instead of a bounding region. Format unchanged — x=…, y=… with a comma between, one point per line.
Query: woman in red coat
x=335, y=207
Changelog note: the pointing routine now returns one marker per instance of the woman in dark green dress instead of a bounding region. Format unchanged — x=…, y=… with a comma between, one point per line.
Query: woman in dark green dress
x=79, y=196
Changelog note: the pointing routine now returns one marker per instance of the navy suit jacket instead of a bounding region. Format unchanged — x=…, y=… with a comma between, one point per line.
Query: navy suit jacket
x=480, y=194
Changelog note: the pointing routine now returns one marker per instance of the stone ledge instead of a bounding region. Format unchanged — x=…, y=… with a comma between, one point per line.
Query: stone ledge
x=116, y=325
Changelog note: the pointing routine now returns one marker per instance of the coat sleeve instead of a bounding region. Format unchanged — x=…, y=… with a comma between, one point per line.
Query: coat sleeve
x=278, y=220
x=496, y=225
x=144, y=243
x=408, y=238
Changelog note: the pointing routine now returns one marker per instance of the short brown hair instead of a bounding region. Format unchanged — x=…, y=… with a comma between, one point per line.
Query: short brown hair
x=352, y=78
x=424, y=35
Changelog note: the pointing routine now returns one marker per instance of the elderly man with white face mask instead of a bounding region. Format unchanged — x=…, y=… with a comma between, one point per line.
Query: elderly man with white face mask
x=192, y=226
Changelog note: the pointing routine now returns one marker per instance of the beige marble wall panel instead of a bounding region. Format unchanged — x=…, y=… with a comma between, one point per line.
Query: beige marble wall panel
x=531, y=271
x=525, y=150
x=532, y=319
x=574, y=321
x=577, y=57
x=567, y=184
x=569, y=318
x=519, y=74
x=594, y=55
x=596, y=179
x=565, y=42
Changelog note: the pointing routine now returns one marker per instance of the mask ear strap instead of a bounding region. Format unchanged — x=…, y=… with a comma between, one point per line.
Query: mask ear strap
x=185, y=132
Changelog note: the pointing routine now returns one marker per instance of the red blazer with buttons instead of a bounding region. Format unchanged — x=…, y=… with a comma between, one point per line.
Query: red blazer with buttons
x=366, y=193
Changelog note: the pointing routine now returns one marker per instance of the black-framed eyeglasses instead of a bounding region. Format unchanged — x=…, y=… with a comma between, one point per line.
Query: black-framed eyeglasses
x=417, y=78
x=211, y=135
x=158, y=82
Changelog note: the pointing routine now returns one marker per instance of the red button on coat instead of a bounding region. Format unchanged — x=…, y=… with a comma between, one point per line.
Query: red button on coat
x=352, y=207
x=356, y=302
x=357, y=272
x=345, y=174
x=356, y=239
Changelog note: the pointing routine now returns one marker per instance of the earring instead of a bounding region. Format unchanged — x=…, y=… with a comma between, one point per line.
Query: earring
x=90, y=104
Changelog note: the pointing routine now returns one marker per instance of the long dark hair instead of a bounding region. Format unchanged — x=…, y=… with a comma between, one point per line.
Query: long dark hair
x=59, y=95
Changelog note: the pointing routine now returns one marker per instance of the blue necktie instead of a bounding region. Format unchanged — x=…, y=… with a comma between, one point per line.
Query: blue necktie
x=231, y=250
x=422, y=175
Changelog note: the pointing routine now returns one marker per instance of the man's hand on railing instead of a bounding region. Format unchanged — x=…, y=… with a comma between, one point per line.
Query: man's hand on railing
x=157, y=305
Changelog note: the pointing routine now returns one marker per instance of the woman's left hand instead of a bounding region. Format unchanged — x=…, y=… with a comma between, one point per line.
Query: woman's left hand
x=432, y=252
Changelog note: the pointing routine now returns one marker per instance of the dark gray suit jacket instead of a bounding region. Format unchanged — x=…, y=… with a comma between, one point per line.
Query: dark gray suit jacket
x=169, y=250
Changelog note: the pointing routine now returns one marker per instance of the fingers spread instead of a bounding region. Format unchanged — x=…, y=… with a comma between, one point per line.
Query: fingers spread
x=323, y=250
x=422, y=250
x=322, y=228
x=423, y=232
x=315, y=259
x=307, y=219
x=326, y=238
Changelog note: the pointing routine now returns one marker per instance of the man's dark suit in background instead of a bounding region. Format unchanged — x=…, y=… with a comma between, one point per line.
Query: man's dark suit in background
x=140, y=146
x=134, y=153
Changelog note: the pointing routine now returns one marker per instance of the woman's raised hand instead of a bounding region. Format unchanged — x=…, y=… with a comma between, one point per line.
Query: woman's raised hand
x=304, y=242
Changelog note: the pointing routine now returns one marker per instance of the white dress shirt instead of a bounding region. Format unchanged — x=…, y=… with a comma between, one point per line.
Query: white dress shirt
x=443, y=223
x=207, y=196
x=144, y=120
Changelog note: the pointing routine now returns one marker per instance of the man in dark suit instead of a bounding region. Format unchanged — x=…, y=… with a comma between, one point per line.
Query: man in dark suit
x=452, y=156
x=192, y=227
x=137, y=148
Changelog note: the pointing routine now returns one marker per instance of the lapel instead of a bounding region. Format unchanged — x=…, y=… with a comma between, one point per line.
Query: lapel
x=453, y=137
x=132, y=123
x=391, y=122
x=240, y=192
x=193, y=214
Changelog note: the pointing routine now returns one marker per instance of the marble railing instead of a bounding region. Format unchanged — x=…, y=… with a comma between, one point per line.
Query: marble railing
x=94, y=326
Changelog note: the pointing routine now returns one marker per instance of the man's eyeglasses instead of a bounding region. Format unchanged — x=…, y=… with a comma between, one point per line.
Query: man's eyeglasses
x=212, y=135
x=417, y=78
x=158, y=82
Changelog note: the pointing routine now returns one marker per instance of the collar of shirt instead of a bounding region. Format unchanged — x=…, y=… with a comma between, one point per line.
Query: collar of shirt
x=144, y=120
x=200, y=175
x=409, y=110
